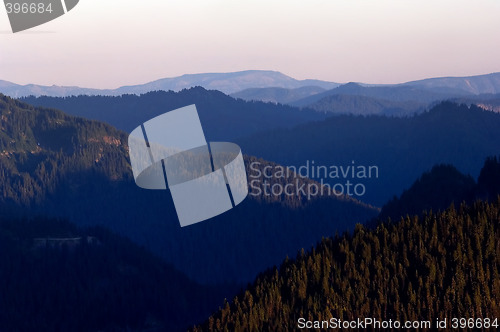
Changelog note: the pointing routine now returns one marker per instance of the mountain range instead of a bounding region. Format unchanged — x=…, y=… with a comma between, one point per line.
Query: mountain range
x=481, y=84
x=336, y=104
x=222, y=117
x=62, y=166
x=224, y=82
x=401, y=148
x=390, y=99
x=407, y=272
x=433, y=251
x=426, y=90
x=443, y=186
x=261, y=85
x=395, y=93
x=277, y=95
x=57, y=165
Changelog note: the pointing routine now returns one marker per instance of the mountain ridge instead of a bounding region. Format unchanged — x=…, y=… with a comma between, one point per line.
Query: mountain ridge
x=86, y=286
x=402, y=148
x=437, y=265
x=225, y=82
x=277, y=95
x=61, y=166
x=223, y=117
x=236, y=82
x=394, y=93
x=478, y=84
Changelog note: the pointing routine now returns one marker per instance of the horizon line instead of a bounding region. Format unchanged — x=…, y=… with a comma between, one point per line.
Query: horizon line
x=246, y=71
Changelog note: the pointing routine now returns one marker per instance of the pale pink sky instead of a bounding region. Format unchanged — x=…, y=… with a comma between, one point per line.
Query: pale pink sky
x=106, y=44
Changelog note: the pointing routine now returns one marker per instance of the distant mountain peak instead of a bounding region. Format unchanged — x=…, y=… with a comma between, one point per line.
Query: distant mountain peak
x=351, y=84
x=225, y=82
x=236, y=82
x=479, y=84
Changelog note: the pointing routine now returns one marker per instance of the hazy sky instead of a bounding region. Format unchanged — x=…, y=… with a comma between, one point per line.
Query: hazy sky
x=109, y=43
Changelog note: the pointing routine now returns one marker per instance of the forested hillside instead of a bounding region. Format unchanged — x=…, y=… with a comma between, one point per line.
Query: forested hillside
x=489, y=102
x=57, y=277
x=277, y=95
x=57, y=165
x=43, y=149
x=395, y=93
x=435, y=190
x=401, y=148
x=432, y=266
x=442, y=265
x=442, y=186
x=363, y=105
x=223, y=118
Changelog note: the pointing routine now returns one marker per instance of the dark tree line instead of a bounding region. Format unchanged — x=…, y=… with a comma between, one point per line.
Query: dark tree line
x=223, y=118
x=98, y=281
x=421, y=268
x=443, y=185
